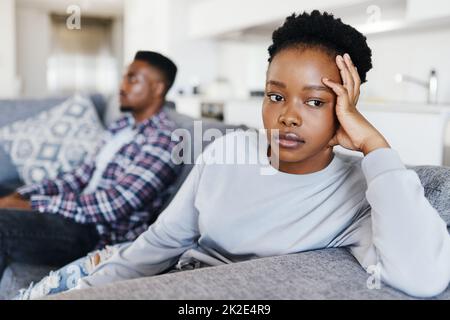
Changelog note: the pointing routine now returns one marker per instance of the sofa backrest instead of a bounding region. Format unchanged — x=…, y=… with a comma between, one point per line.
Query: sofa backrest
x=436, y=184
x=186, y=122
x=19, y=109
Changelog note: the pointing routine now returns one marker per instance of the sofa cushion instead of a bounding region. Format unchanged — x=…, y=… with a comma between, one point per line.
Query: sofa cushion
x=320, y=274
x=52, y=141
x=436, y=184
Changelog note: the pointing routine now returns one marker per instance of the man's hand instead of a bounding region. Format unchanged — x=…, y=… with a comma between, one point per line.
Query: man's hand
x=15, y=201
x=354, y=132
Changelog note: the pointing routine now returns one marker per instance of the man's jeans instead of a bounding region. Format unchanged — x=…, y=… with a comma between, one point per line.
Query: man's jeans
x=67, y=277
x=44, y=239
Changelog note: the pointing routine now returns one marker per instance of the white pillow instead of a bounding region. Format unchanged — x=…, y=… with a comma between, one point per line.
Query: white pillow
x=56, y=140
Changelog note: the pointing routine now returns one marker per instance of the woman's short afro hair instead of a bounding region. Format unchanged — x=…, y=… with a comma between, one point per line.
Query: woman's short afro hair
x=324, y=31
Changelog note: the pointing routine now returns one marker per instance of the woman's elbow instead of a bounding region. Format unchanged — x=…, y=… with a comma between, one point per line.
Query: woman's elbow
x=424, y=284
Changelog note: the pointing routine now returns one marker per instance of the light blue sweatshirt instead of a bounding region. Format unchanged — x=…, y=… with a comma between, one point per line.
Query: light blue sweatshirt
x=226, y=213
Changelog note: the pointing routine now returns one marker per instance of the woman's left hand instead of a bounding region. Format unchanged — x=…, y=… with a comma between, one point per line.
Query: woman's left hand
x=354, y=131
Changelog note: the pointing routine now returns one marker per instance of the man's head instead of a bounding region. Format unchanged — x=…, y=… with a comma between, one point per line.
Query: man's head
x=146, y=82
x=297, y=103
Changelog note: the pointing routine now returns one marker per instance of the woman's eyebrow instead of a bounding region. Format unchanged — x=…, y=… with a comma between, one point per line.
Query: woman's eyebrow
x=316, y=87
x=276, y=83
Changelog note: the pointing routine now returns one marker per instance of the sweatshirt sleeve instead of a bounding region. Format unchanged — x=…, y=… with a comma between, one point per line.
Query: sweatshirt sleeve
x=401, y=233
x=174, y=232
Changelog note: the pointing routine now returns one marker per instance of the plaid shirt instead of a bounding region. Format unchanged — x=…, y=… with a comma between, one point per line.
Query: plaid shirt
x=131, y=189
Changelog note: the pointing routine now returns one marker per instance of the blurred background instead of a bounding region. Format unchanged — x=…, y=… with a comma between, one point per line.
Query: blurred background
x=58, y=47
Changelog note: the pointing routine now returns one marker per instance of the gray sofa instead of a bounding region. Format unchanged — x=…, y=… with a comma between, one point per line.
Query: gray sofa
x=321, y=274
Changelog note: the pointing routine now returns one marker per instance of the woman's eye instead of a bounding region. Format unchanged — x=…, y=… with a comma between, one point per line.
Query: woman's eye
x=275, y=97
x=314, y=103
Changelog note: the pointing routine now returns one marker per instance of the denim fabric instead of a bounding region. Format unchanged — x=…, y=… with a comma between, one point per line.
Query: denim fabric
x=57, y=281
x=34, y=238
x=67, y=277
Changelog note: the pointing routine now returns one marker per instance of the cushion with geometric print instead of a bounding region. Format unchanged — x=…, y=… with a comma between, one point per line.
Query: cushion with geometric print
x=53, y=141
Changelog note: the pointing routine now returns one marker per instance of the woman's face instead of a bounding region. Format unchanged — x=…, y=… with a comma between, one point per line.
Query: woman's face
x=301, y=107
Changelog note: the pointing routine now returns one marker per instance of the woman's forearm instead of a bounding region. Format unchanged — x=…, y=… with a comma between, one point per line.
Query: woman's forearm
x=411, y=239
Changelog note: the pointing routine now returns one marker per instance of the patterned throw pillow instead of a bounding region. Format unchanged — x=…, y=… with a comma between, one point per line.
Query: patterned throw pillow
x=54, y=141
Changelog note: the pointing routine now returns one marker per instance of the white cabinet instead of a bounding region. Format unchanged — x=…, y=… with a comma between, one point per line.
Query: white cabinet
x=418, y=133
x=248, y=112
x=190, y=106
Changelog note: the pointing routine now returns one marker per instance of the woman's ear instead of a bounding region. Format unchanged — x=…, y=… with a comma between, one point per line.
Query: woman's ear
x=334, y=140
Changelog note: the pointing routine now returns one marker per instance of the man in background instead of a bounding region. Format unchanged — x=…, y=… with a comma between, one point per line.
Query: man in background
x=114, y=195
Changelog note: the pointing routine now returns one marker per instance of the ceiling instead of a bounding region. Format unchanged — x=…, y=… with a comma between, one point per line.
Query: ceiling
x=89, y=7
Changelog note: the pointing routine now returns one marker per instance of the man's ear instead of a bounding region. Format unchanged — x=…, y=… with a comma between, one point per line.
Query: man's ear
x=159, y=88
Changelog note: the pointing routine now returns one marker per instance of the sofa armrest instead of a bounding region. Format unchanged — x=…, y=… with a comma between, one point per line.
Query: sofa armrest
x=321, y=274
x=436, y=183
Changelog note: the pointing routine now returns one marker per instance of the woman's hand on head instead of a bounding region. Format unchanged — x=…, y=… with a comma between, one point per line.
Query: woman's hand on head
x=354, y=131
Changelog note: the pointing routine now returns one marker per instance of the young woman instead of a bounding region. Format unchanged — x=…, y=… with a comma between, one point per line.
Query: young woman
x=312, y=198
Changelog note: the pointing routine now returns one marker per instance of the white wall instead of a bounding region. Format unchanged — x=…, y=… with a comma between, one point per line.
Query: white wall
x=161, y=25
x=34, y=40
x=213, y=17
x=9, y=85
x=33, y=48
x=118, y=42
x=197, y=59
x=146, y=26
x=423, y=9
x=413, y=53
x=244, y=64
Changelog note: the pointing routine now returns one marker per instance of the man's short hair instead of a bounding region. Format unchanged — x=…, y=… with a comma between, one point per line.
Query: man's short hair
x=166, y=66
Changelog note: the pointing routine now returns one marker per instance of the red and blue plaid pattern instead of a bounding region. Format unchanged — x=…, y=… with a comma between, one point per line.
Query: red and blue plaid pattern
x=131, y=190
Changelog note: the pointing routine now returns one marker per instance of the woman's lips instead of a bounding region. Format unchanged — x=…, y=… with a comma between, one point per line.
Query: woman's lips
x=289, y=140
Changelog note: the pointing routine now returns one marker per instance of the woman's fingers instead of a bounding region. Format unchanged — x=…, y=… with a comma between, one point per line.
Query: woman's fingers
x=341, y=69
x=355, y=76
x=347, y=77
x=339, y=89
x=341, y=92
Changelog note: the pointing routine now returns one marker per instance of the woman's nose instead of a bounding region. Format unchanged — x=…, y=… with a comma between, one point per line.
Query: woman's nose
x=290, y=118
